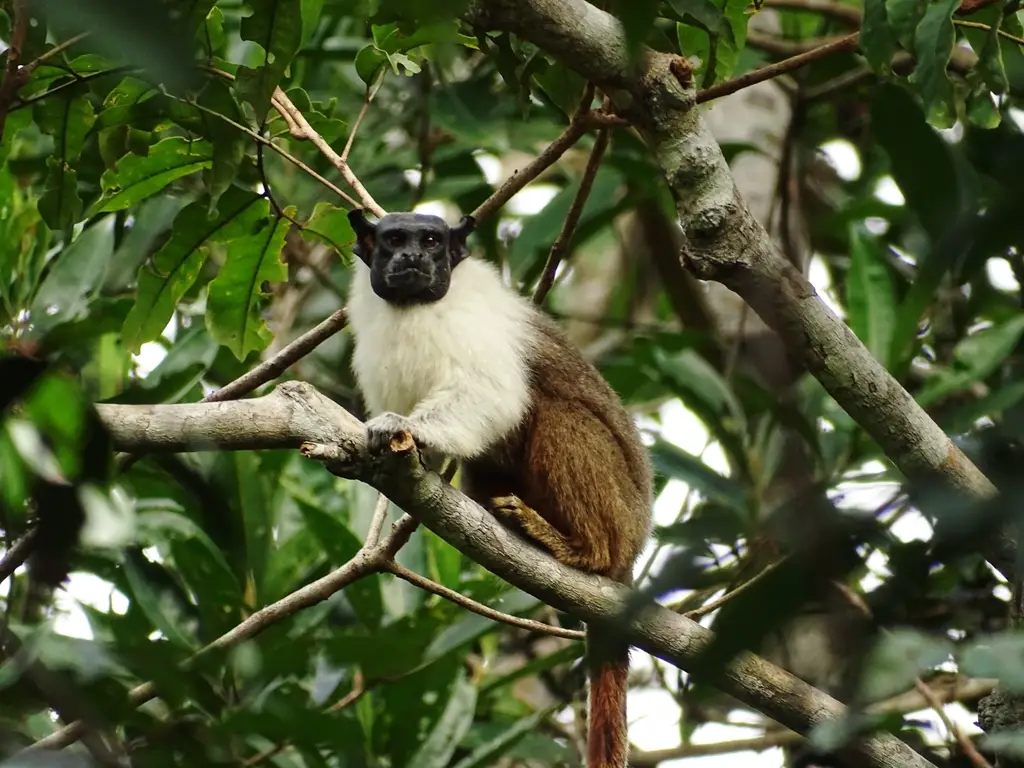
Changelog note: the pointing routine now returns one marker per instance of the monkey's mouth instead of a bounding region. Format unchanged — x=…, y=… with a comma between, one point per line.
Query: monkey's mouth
x=409, y=277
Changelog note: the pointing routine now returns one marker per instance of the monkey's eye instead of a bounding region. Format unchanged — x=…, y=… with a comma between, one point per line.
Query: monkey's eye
x=394, y=239
x=431, y=241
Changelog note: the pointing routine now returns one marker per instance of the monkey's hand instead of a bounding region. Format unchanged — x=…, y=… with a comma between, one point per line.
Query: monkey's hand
x=382, y=429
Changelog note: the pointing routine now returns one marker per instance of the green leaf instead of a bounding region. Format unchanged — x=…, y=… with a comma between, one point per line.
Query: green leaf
x=76, y=274
x=341, y=546
x=453, y=725
x=637, y=17
x=60, y=206
x=143, y=594
x=68, y=120
x=233, y=312
x=870, y=296
x=330, y=226
x=1000, y=656
x=148, y=37
x=276, y=25
x=933, y=45
x=136, y=178
x=485, y=755
x=562, y=85
x=904, y=16
x=921, y=162
x=898, y=658
x=165, y=278
x=974, y=357
x=876, y=38
x=672, y=461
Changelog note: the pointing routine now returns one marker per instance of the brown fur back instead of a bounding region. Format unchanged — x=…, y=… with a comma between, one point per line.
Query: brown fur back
x=577, y=460
x=579, y=463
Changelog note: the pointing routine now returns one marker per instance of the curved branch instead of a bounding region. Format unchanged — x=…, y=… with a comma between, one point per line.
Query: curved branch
x=337, y=438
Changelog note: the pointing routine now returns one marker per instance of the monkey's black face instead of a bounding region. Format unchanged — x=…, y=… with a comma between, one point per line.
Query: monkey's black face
x=411, y=256
x=411, y=263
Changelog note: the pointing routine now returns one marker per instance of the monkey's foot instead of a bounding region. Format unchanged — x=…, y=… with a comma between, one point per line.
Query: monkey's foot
x=382, y=431
x=513, y=512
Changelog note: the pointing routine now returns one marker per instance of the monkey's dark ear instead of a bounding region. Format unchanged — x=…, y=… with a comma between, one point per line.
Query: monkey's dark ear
x=366, y=235
x=457, y=240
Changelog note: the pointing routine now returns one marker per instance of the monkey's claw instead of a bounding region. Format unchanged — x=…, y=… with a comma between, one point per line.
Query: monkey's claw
x=388, y=433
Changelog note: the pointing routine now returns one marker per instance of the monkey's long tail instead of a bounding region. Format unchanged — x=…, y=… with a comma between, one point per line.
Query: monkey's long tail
x=608, y=672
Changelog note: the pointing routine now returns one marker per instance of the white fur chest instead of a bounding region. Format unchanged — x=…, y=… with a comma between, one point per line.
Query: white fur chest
x=466, y=353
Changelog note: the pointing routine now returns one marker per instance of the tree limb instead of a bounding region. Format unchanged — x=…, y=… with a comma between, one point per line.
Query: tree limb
x=724, y=243
x=337, y=438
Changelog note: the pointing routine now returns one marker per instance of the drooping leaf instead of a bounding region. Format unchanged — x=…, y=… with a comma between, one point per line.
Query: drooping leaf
x=876, y=38
x=933, y=45
x=870, y=296
x=60, y=206
x=68, y=120
x=77, y=273
x=329, y=225
x=276, y=26
x=233, y=306
x=171, y=271
x=486, y=754
x=437, y=750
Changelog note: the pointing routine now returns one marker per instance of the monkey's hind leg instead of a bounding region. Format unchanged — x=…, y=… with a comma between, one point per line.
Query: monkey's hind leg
x=512, y=511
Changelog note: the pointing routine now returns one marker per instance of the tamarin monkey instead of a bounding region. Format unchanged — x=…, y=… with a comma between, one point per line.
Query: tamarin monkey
x=445, y=351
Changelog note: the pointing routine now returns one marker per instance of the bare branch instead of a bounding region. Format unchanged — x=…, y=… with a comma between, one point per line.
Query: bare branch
x=472, y=605
x=302, y=130
x=478, y=534
x=843, y=44
x=270, y=369
x=558, y=249
x=380, y=513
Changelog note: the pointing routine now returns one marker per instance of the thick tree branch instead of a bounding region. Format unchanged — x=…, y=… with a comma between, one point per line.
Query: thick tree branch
x=338, y=439
x=723, y=242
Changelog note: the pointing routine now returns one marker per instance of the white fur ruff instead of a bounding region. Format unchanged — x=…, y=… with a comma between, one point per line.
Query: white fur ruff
x=457, y=367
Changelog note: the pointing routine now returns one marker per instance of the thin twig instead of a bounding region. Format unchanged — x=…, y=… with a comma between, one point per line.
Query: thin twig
x=51, y=52
x=581, y=121
x=479, y=608
x=707, y=608
x=279, y=363
x=380, y=513
x=16, y=556
x=987, y=28
x=300, y=128
x=970, y=751
x=561, y=245
x=355, y=127
x=847, y=43
x=264, y=141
